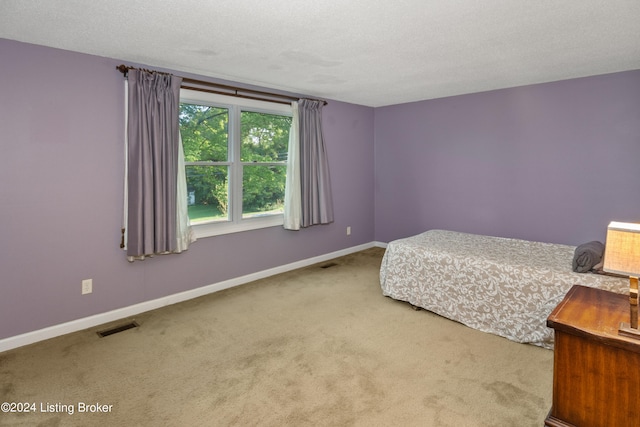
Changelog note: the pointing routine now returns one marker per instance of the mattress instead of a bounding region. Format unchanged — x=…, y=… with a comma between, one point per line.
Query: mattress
x=502, y=286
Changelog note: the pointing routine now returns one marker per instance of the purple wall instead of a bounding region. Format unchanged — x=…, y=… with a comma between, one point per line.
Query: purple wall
x=552, y=162
x=61, y=168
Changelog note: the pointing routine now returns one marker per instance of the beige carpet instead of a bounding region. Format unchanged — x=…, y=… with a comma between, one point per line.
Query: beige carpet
x=313, y=347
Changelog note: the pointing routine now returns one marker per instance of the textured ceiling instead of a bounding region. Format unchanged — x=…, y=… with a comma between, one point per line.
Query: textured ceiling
x=369, y=52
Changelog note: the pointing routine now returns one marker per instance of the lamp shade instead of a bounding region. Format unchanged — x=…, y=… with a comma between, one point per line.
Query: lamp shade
x=622, y=249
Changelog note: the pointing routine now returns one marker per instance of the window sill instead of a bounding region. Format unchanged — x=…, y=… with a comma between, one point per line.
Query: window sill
x=219, y=228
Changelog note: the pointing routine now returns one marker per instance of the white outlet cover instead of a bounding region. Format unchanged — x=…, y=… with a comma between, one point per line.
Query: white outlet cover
x=87, y=286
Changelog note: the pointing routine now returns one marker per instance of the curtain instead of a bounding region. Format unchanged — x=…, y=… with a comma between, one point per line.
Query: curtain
x=315, y=183
x=154, y=189
x=292, y=200
x=184, y=232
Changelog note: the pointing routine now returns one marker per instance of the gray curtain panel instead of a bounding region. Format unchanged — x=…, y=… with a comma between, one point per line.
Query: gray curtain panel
x=317, y=199
x=153, y=132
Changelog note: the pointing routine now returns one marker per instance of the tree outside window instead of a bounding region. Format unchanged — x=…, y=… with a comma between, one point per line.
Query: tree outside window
x=235, y=161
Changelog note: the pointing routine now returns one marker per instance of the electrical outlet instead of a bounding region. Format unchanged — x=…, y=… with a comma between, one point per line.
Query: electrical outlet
x=87, y=286
x=349, y=231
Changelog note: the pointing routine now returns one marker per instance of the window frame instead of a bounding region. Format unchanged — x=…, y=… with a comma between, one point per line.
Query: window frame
x=235, y=106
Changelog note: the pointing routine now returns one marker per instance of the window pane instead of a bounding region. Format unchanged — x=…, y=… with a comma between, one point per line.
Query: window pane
x=265, y=137
x=207, y=193
x=205, y=133
x=263, y=190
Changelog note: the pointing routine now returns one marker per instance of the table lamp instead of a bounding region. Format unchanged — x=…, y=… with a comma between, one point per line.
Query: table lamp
x=622, y=256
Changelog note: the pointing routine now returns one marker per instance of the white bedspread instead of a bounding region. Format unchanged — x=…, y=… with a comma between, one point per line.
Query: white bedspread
x=507, y=287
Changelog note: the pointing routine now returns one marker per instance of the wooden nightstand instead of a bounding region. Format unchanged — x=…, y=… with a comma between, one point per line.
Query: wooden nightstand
x=596, y=372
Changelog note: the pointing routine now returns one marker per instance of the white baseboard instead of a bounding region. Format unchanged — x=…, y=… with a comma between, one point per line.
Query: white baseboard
x=121, y=313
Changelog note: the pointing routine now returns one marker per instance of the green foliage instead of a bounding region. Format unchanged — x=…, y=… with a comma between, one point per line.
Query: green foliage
x=264, y=139
x=210, y=185
x=263, y=188
x=205, y=132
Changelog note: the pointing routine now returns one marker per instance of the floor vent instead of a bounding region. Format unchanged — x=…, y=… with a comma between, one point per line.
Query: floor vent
x=117, y=329
x=329, y=265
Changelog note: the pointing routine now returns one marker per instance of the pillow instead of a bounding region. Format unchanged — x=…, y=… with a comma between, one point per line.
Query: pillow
x=587, y=255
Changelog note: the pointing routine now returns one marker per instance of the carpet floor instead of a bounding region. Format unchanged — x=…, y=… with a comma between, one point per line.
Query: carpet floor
x=311, y=347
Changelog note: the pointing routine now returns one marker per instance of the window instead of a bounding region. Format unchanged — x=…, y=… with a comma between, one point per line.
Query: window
x=235, y=154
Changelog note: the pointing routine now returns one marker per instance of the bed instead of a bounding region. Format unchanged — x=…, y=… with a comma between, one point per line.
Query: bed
x=506, y=287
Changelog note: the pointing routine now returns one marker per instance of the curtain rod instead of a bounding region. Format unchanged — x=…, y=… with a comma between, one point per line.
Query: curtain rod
x=209, y=87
